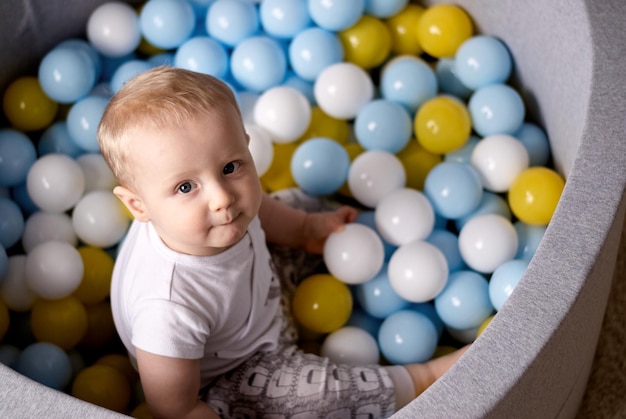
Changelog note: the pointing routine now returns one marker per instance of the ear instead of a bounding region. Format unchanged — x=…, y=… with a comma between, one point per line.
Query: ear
x=133, y=202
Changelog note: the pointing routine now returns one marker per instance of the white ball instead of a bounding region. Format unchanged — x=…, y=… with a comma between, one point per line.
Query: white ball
x=284, y=112
x=487, y=241
x=342, y=89
x=113, y=29
x=351, y=345
x=55, y=182
x=14, y=290
x=261, y=148
x=42, y=226
x=418, y=271
x=373, y=175
x=54, y=269
x=499, y=159
x=97, y=173
x=99, y=219
x=355, y=254
x=403, y=216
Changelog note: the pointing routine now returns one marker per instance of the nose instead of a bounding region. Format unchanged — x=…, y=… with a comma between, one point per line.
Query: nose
x=221, y=197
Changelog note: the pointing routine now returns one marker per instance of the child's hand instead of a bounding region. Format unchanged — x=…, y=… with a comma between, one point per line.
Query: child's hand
x=319, y=225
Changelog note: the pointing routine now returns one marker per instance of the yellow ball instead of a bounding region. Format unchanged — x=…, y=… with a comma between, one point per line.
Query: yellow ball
x=442, y=28
x=442, y=124
x=324, y=125
x=4, y=319
x=62, y=322
x=100, y=326
x=417, y=163
x=96, y=282
x=141, y=411
x=104, y=386
x=278, y=176
x=484, y=325
x=322, y=303
x=403, y=29
x=367, y=43
x=534, y=195
x=26, y=106
x=122, y=364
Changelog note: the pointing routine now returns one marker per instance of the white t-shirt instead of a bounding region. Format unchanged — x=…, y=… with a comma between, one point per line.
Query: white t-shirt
x=221, y=308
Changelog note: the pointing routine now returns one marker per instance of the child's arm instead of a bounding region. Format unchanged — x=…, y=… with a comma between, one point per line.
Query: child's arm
x=285, y=225
x=171, y=386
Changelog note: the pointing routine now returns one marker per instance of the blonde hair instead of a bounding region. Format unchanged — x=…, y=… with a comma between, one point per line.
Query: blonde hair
x=163, y=97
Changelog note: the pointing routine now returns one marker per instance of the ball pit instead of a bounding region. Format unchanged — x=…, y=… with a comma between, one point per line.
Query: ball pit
x=577, y=250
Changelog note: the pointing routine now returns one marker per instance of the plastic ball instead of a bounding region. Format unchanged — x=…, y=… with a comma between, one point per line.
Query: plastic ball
x=167, y=24
x=17, y=155
x=56, y=140
x=83, y=119
x=14, y=290
x=409, y=81
x=483, y=60
x=534, y=195
x=367, y=43
x=26, y=106
x=127, y=71
x=45, y=363
x=4, y=319
x=284, y=19
x=99, y=219
x=355, y=254
x=487, y=241
x=67, y=74
x=121, y=363
x=103, y=386
x=100, y=326
x=53, y=269
x=448, y=81
x=323, y=125
x=383, y=125
x=278, y=176
x=496, y=109
x=403, y=29
x=403, y=216
x=113, y=29
x=320, y=166
x=322, y=303
x=62, y=322
x=312, y=50
x=303, y=86
x=9, y=355
x=418, y=271
x=499, y=159
x=97, y=173
x=373, y=175
x=284, y=112
x=261, y=147
x=536, y=142
x=463, y=154
x=342, y=89
x=55, y=182
x=529, y=237
x=378, y=298
x=504, y=280
x=442, y=124
x=368, y=218
x=448, y=243
x=454, y=189
x=4, y=262
x=407, y=337
x=22, y=199
x=490, y=203
x=362, y=320
x=442, y=28
x=86, y=49
x=352, y=346
x=43, y=226
x=464, y=302
x=203, y=54
x=428, y=310
x=258, y=63
x=417, y=163
x=232, y=21
x=336, y=15
x=11, y=223
x=98, y=269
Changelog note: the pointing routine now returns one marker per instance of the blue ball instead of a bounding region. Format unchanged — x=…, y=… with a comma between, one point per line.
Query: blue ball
x=336, y=15
x=463, y=154
x=448, y=243
x=86, y=48
x=378, y=298
x=464, y=302
x=164, y=58
x=320, y=166
x=83, y=119
x=22, y=198
x=203, y=54
x=529, y=237
x=482, y=60
x=448, y=81
x=368, y=218
x=359, y=318
x=4, y=262
x=408, y=81
x=383, y=9
x=56, y=139
x=428, y=310
x=303, y=86
x=45, y=363
x=111, y=64
x=17, y=155
x=167, y=24
x=490, y=203
x=504, y=280
x=67, y=74
x=454, y=189
x=496, y=109
x=232, y=21
x=284, y=18
x=258, y=63
x=127, y=71
x=407, y=337
x=312, y=50
x=536, y=142
x=11, y=223
x=383, y=125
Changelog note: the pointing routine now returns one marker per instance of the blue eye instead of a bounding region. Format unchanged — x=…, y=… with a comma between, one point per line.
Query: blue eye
x=230, y=167
x=185, y=187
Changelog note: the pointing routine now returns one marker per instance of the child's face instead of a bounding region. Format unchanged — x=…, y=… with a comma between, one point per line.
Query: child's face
x=197, y=184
